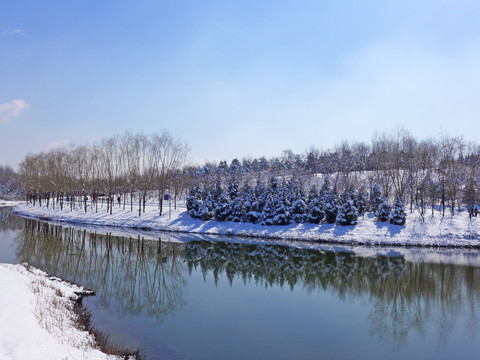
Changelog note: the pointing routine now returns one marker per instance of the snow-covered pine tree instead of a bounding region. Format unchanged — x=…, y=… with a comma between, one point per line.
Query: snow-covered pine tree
x=375, y=198
x=325, y=191
x=205, y=211
x=383, y=212
x=261, y=195
x=362, y=202
x=194, y=202
x=233, y=188
x=248, y=196
x=397, y=213
x=330, y=212
x=222, y=209
x=217, y=190
x=347, y=213
x=282, y=213
x=273, y=185
x=269, y=210
x=315, y=212
x=237, y=209
x=251, y=205
x=299, y=211
x=331, y=209
x=296, y=197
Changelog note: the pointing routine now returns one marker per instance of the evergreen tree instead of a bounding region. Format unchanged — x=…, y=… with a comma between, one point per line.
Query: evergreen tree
x=331, y=208
x=347, y=213
x=282, y=214
x=233, y=189
x=397, y=213
x=362, y=202
x=268, y=212
x=375, y=198
x=194, y=202
x=273, y=185
x=237, y=207
x=205, y=211
x=315, y=212
x=248, y=196
x=261, y=195
x=299, y=211
x=383, y=212
x=217, y=190
x=222, y=209
x=325, y=191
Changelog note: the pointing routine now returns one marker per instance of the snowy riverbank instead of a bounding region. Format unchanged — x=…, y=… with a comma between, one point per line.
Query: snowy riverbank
x=37, y=320
x=458, y=230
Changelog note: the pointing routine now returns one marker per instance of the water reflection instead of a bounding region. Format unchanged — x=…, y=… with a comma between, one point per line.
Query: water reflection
x=138, y=277
x=133, y=275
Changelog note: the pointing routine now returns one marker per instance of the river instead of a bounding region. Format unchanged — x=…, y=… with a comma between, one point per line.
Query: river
x=182, y=296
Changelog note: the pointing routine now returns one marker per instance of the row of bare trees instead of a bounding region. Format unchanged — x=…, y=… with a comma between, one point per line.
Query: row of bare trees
x=131, y=165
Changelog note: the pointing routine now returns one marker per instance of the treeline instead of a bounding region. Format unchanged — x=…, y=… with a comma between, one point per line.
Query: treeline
x=131, y=165
x=433, y=173
x=426, y=174
x=10, y=187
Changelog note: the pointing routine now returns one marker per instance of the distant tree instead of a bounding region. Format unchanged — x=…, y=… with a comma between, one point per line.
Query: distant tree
x=470, y=196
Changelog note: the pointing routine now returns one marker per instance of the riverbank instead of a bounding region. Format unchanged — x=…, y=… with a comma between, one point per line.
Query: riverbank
x=37, y=317
x=437, y=231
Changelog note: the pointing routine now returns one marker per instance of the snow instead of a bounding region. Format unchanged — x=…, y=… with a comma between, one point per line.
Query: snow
x=456, y=231
x=37, y=318
x=8, y=203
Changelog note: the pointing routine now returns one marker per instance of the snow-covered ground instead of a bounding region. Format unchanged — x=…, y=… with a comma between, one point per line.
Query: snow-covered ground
x=8, y=203
x=37, y=317
x=458, y=230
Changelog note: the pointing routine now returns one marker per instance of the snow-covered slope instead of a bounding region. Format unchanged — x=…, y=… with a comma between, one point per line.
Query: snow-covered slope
x=37, y=320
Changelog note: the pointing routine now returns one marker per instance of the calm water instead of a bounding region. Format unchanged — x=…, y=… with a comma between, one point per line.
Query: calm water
x=190, y=297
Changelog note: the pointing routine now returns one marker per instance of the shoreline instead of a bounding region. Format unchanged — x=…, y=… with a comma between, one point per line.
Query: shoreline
x=41, y=317
x=456, y=231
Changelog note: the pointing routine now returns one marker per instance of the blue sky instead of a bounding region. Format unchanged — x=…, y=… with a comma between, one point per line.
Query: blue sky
x=236, y=79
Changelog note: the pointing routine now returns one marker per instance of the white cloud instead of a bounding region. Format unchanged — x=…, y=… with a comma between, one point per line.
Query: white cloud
x=11, y=110
x=17, y=31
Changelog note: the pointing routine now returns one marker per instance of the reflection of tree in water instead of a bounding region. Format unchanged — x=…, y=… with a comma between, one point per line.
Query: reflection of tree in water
x=143, y=277
x=402, y=293
x=133, y=275
x=8, y=220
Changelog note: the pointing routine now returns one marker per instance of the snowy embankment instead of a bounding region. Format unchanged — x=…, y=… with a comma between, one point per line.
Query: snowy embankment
x=37, y=318
x=8, y=203
x=458, y=230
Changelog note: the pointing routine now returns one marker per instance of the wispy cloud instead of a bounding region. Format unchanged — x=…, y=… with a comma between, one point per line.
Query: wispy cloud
x=11, y=110
x=58, y=144
x=17, y=31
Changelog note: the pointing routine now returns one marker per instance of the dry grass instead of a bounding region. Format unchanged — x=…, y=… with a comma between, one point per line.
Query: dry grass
x=56, y=312
x=102, y=339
